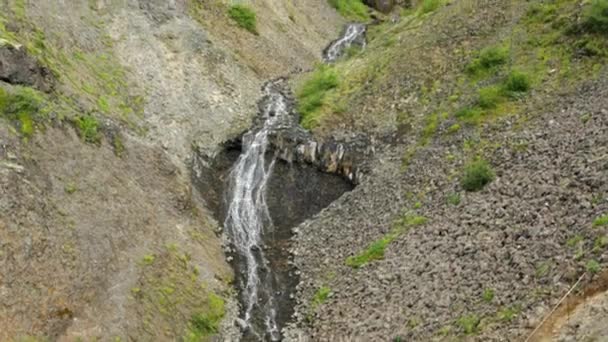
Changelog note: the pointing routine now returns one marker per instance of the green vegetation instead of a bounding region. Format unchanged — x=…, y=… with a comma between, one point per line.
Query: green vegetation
x=24, y=106
x=454, y=128
x=489, y=60
x=596, y=16
x=429, y=6
x=517, y=82
x=321, y=296
x=88, y=128
x=207, y=323
x=70, y=188
x=454, y=198
x=476, y=176
x=312, y=93
x=487, y=295
x=507, y=314
x=148, y=259
x=351, y=9
x=376, y=250
x=244, y=17
x=600, y=243
x=601, y=221
x=489, y=97
x=543, y=269
x=593, y=266
x=574, y=241
x=469, y=324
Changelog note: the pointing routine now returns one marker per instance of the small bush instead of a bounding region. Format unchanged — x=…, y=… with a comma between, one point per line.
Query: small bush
x=601, y=221
x=207, y=323
x=517, y=82
x=489, y=97
x=596, y=16
x=351, y=9
x=313, y=92
x=476, y=176
x=469, y=324
x=87, y=127
x=244, y=17
x=454, y=198
x=489, y=59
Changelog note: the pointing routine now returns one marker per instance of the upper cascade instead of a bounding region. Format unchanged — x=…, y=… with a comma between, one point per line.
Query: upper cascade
x=354, y=34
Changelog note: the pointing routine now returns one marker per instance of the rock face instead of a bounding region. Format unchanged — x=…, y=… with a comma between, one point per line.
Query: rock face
x=381, y=5
x=18, y=68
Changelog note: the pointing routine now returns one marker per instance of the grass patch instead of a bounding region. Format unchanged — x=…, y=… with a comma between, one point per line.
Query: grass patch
x=351, y=9
x=517, y=82
x=476, y=176
x=244, y=17
x=490, y=97
x=454, y=199
x=595, y=16
x=470, y=114
x=376, y=250
x=593, y=266
x=23, y=106
x=488, y=60
x=321, y=296
x=429, y=6
x=312, y=93
x=507, y=314
x=487, y=295
x=207, y=323
x=469, y=324
x=601, y=221
x=88, y=128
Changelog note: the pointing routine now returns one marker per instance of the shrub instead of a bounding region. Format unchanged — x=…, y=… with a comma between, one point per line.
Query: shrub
x=244, y=17
x=488, y=295
x=313, y=91
x=476, y=176
x=205, y=324
x=596, y=16
x=517, y=82
x=351, y=9
x=87, y=127
x=454, y=198
x=489, y=59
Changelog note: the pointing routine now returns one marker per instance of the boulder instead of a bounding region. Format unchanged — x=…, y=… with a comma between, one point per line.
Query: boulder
x=17, y=67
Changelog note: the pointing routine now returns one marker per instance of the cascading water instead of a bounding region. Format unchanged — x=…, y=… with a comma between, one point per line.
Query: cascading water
x=247, y=218
x=353, y=35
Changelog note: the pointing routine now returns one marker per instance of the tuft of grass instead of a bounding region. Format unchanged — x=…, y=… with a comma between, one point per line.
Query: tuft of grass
x=601, y=221
x=376, y=250
x=70, y=188
x=321, y=296
x=489, y=59
x=244, y=16
x=476, y=176
x=429, y=6
x=24, y=106
x=88, y=128
x=469, y=324
x=454, y=198
x=595, y=16
x=487, y=295
x=517, y=82
x=600, y=243
x=148, y=259
x=593, y=266
x=312, y=93
x=207, y=324
x=351, y=9
x=470, y=114
x=507, y=314
x=454, y=128
x=490, y=97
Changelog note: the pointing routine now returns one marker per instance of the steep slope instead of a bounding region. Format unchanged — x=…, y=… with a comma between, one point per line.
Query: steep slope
x=102, y=235
x=477, y=215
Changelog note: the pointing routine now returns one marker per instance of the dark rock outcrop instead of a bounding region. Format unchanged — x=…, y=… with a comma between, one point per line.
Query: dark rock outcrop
x=384, y=6
x=17, y=67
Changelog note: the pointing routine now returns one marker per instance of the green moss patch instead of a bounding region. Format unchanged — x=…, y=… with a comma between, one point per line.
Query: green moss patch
x=244, y=16
x=25, y=107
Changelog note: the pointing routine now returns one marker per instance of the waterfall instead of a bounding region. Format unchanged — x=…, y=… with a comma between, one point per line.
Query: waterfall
x=353, y=35
x=248, y=217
